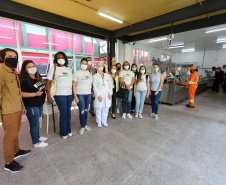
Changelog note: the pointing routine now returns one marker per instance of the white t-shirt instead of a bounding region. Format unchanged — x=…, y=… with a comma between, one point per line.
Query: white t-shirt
x=63, y=76
x=142, y=84
x=170, y=74
x=84, y=81
x=127, y=77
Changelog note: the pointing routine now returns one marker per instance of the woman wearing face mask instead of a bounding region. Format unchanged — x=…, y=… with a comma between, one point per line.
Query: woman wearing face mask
x=103, y=93
x=118, y=100
x=157, y=80
x=126, y=79
x=33, y=93
x=82, y=84
x=133, y=104
x=63, y=97
x=141, y=90
x=115, y=87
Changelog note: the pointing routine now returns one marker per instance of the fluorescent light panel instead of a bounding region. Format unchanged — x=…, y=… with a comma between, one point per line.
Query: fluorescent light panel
x=221, y=40
x=158, y=39
x=224, y=46
x=177, y=46
x=215, y=30
x=113, y=18
x=188, y=50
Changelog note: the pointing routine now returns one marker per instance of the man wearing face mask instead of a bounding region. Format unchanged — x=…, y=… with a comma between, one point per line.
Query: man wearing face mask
x=92, y=71
x=11, y=109
x=192, y=86
x=105, y=70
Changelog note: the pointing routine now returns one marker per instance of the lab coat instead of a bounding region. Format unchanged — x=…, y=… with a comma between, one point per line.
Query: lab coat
x=101, y=90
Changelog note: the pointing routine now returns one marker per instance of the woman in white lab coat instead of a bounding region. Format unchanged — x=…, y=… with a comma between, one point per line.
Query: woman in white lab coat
x=103, y=93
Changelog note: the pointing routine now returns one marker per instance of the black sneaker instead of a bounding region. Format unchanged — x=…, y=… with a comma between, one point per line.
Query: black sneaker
x=92, y=113
x=13, y=167
x=21, y=153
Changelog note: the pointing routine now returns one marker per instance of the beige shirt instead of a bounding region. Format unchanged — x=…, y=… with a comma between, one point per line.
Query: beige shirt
x=10, y=92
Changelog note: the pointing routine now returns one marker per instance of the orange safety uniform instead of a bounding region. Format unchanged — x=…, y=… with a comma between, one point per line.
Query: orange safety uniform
x=192, y=86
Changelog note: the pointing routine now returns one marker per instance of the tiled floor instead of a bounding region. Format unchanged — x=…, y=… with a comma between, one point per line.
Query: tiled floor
x=184, y=147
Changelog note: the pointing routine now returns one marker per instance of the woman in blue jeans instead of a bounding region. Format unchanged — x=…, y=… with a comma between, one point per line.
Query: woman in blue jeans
x=63, y=97
x=157, y=80
x=82, y=84
x=33, y=93
x=127, y=79
x=141, y=90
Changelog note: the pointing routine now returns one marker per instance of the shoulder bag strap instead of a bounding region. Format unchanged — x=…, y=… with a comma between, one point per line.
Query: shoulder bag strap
x=54, y=73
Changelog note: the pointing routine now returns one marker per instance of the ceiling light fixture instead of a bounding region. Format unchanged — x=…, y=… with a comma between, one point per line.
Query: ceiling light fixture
x=188, y=50
x=176, y=46
x=224, y=46
x=5, y=37
x=215, y=30
x=158, y=39
x=110, y=17
x=221, y=40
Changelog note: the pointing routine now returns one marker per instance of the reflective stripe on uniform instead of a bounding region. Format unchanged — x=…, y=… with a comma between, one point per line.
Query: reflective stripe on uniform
x=190, y=82
x=191, y=100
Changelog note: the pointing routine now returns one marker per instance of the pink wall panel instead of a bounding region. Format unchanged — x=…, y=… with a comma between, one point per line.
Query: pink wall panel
x=20, y=34
x=61, y=40
x=7, y=31
x=78, y=44
x=37, y=41
x=88, y=48
x=37, y=58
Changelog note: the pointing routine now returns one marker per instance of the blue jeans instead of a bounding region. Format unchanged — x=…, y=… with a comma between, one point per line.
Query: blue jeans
x=129, y=100
x=118, y=100
x=84, y=101
x=155, y=101
x=64, y=105
x=33, y=115
x=140, y=98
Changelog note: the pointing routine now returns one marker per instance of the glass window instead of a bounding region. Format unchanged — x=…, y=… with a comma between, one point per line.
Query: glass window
x=78, y=43
x=139, y=56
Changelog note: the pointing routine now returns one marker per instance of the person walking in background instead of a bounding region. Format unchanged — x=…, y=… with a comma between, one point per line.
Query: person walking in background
x=157, y=80
x=118, y=100
x=33, y=93
x=92, y=71
x=219, y=76
x=82, y=84
x=133, y=103
x=103, y=93
x=115, y=86
x=141, y=90
x=63, y=97
x=127, y=79
x=11, y=109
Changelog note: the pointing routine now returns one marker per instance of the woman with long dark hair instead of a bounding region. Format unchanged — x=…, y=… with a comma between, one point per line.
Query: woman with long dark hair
x=63, y=97
x=133, y=103
x=33, y=94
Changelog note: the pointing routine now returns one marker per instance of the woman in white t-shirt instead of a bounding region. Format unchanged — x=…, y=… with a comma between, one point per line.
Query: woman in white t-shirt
x=63, y=96
x=141, y=90
x=82, y=84
x=127, y=79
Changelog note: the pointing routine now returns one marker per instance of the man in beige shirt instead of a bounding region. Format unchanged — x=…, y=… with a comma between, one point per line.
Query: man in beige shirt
x=11, y=109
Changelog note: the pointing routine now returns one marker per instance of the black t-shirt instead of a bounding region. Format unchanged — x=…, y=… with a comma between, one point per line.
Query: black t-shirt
x=32, y=86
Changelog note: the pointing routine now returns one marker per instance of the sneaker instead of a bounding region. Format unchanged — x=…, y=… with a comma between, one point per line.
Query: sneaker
x=140, y=116
x=124, y=115
x=152, y=115
x=105, y=124
x=87, y=128
x=81, y=131
x=43, y=139
x=129, y=116
x=118, y=111
x=99, y=125
x=70, y=134
x=156, y=117
x=41, y=145
x=65, y=137
x=13, y=167
x=136, y=115
x=21, y=153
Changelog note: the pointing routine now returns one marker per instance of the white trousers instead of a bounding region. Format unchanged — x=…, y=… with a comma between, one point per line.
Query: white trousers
x=102, y=115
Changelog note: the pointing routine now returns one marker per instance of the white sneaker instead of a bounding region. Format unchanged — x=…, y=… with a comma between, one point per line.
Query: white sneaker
x=87, y=128
x=136, y=115
x=152, y=115
x=99, y=125
x=65, y=137
x=156, y=117
x=129, y=116
x=42, y=139
x=140, y=116
x=81, y=131
x=124, y=115
x=118, y=111
x=105, y=124
x=70, y=134
x=41, y=145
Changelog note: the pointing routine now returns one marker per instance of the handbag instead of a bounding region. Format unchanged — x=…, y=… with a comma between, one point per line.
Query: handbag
x=122, y=93
x=53, y=84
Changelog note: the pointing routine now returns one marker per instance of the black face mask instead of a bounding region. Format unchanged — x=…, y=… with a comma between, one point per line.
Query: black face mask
x=12, y=62
x=119, y=68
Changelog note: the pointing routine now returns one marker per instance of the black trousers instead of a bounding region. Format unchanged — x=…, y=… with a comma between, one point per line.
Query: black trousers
x=216, y=84
x=133, y=104
x=114, y=96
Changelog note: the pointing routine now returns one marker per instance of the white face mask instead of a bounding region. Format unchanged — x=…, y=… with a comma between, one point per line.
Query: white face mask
x=90, y=63
x=32, y=70
x=126, y=67
x=113, y=71
x=83, y=67
x=142, y=71
x=61, y=61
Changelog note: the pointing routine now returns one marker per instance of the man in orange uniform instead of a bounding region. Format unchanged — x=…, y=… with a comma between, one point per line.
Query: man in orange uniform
x=192, y=86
